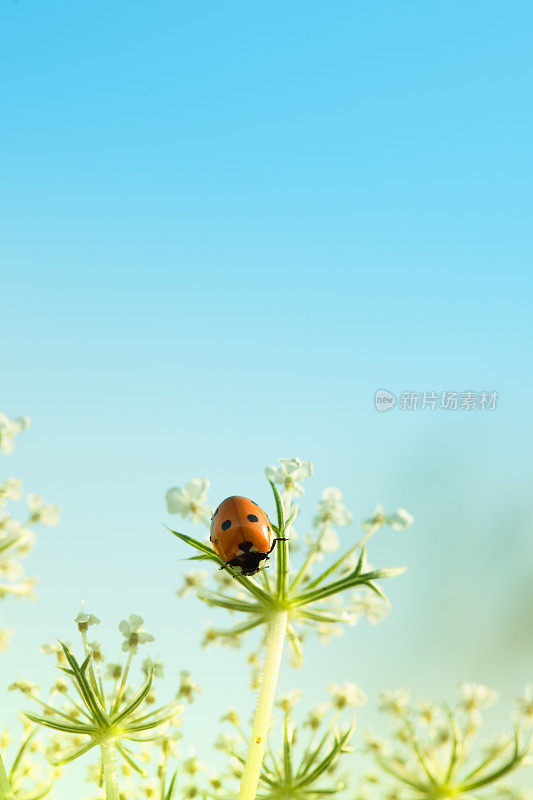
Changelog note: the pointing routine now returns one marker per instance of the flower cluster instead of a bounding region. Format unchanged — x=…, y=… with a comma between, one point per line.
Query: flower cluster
x=29, y=775
x=17, y=538
x=342, y=593
x=9, y=430
x=96, y=706
x=435, y=752
x=305, y=766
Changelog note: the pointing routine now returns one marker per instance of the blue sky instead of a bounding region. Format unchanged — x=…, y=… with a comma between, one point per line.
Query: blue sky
x=224, y=227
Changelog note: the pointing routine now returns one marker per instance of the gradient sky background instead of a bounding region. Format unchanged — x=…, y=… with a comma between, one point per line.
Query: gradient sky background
x=224, y=226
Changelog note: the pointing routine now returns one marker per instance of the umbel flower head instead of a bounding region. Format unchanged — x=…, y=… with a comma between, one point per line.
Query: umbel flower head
x=305, y=766
x=343, y=592
x=29, y=776
x=17, y=538
x=98, y=707
x=435, y=753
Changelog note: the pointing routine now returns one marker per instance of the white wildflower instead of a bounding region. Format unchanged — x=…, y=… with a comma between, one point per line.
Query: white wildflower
x=41, y=511
x=400, y=520
x=188, y=688
x=290, y=473
x=316, y=715
x=113, y=671
x=287, y=701
x=525, y=706
x=191, y=501
x=134, y=633
x=192, y=581
x=331, y=510
x=5, y=639
x=24, y=686
x=9, y=430
x=348, y=695
x=10, y=489
x=85, y=620
x=394, y=701
x=474, y=696
x=366, y=602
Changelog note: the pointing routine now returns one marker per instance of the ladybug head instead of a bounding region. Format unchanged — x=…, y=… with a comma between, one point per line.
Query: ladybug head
x=248, y=561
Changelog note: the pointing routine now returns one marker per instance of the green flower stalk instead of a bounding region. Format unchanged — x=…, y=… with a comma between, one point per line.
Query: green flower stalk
x=28, y=778
x=283, y=603
x=305, y=766
x=96, y=715
x=435, y=754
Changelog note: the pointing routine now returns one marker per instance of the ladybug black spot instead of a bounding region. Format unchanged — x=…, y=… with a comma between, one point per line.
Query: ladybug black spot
x=216, y=541
x=252, y=518
x=226, y=524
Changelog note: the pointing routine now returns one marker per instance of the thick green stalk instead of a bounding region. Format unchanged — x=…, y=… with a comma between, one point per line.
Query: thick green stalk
x=5, y=788
x=263, y=712
x=110, y=770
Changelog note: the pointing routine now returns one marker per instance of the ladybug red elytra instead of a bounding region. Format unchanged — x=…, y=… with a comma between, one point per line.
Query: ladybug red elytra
x=241, y=534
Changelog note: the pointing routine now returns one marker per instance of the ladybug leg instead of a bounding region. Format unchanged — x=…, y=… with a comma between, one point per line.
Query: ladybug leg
x=279, y=539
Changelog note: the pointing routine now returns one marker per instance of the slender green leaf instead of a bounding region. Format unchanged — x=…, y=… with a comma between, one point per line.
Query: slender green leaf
x=5, y=788
x=279, y=508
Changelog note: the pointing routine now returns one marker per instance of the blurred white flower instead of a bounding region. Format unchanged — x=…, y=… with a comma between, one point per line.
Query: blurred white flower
x=366, y=602
x=400, y=520
x=331, y=510
x=41, y=511
x=513, y=793
x=9, y=430
x=24, y=686
x=327, y=630
x=525, y=706
x=188, y=688
x=287, y=701
x=192, y=765
x=429, y=714
x=290, y=473
x=348, y=695
x=85, y=620
x=191, y=501
x=157, y=666
x=5, y=638
x=394, y=701
x=113, y=671
x=475, y=696
x=134, y=633
x=316, y=715
x=10, y=489
x=374, y=744
x=192, y=581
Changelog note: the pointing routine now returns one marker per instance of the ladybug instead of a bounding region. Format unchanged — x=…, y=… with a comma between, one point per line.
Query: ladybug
x=241, y=534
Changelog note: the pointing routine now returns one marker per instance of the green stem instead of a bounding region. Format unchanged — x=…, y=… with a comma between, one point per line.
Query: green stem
x=110, y=770
x=5, y=788
x=263, y=713
x=375, y=528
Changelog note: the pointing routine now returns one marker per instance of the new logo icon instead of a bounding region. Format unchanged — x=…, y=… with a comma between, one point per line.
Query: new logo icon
x=384, y=400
